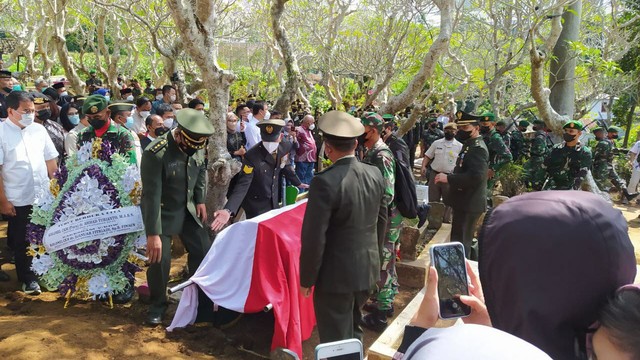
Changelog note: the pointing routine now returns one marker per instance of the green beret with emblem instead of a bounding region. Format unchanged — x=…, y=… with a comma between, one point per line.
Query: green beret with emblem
x=597, y=128
x=523, y=123
x=94, y=104
x=270, y=129
x=614, y=129
x=488, y=116
x=39, y=98
x=339, y=124
x=373, y=119
x=573, y=124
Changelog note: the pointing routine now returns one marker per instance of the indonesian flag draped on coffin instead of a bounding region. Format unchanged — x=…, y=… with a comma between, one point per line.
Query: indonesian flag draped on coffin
x=254, y=263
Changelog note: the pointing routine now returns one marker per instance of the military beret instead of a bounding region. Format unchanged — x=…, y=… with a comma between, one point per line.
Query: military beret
x=58, y=85
x=451, y=126
x=431, y=119
x=488, y=116
x=270, y=129
x=125, y=91
x=539, y=122
x=123, y=106
x=340, y=124
x=597, y=128
x=92, y=71
x=463, y=118
x=388, y=117
x=39, y=98
x=573, y=124
x=523, y=123
x=94, y=104
x=372, y=119
x=195, y=127
x=614, y=129
x=5, y=74
x=501, y=123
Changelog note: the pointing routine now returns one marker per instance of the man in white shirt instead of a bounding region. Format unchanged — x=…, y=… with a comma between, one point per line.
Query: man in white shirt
x=442, y=155
x=27, y=162
x=140, y=114
x=251, y=131
x=635, y=175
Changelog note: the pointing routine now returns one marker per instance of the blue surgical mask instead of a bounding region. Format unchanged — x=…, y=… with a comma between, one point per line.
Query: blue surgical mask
x=74, y=119
x=129, y=123
x=107, y=97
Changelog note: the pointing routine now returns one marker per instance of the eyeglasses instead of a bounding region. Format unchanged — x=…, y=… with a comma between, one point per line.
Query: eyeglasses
x=27, y=112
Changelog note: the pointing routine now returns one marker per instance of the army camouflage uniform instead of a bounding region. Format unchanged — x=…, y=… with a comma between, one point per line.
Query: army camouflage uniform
x=534, y=172
x=118, y=136
x=499, y=156
x=381, y=157
x=506, y=138
x=567, y=167
x=518, y=145
x=429, y=136
x=603, y=169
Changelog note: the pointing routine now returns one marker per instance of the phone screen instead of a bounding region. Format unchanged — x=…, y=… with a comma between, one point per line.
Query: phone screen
x=340, y=350
x=449, y=261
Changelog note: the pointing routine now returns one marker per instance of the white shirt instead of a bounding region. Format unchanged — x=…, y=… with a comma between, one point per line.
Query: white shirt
x=252, y=132
x=635, y=148
x=23, y=153
x=71, y=140
x=139, y=125
x=443, y=154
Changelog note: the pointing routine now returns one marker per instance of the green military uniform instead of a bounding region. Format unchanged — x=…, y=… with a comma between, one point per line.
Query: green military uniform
x=602, y=168
x=381, y=157
x=429, y=135
x=506, y=137
x=173, y=181
x=119, y=137
x=534, y=172
x=519, y=148
x=499, y=154
x=566, y=166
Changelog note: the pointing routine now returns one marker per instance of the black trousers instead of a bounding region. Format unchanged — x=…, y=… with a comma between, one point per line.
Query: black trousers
x=339, y=314
x=17, y=241
x=463, y=227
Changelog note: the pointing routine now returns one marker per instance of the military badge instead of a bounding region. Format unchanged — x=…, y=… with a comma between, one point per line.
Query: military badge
x=269, y=129
x=93, y=109
x=247, y=169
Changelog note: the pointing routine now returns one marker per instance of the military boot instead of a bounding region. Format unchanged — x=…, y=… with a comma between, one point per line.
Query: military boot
x=376, y=320
x=629, y=196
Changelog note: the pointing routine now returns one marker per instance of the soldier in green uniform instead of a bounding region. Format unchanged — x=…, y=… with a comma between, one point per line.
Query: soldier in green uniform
x=569, y=162
x=602, y=168
x=501, y=128
x=519, y=148
x=468, y=182
x=101, y=126
x=173, y=175
x=499, y=154
x=379, y=155
x=430, y=134
x=534, y=173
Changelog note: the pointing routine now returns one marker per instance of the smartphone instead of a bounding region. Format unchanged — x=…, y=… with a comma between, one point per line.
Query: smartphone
x=449, y=261
x=350, y=349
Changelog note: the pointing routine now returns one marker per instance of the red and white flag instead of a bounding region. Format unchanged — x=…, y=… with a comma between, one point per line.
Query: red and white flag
x=254, y=263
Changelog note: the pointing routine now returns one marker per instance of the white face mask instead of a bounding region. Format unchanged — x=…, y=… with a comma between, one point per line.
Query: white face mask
x=129, y=98
x=64, y=93
x=107, y=97
x=267, y=115
x=159, y=97
x=145, y=114
x=270, y=146
x=172, y=98
x=27, y=119
x=312, y=126
x=168, y=123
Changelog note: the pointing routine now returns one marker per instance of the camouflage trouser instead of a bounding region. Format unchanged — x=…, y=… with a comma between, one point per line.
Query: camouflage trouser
x=388, y=284
x=534, y=173
x=600, y=174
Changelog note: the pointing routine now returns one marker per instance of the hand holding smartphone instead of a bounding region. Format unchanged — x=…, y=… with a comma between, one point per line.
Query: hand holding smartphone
x=350, y=349
x=449, y=261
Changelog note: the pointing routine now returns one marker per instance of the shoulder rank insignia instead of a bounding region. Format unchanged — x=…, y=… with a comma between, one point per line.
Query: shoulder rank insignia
x=247, y=169
x=158, y=146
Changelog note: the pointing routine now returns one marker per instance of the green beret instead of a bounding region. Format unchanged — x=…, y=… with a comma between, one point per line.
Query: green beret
x=597, y=128
x=94, y=104
x=195, y=126
x=388, y=117
x=115, y=107
x=372, y=119
x=573, y=124
x=431, y=119
x=614, y=129
x=270, y=129
x=523, y=123
x=340, y=124
x=488, y=116
x=463, y=118
x=539, y=122
x=501, y=123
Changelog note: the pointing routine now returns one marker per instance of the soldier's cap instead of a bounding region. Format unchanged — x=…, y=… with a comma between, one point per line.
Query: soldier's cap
x=539, y=122
x=501, y=123
x=5, y=74
x=488, y=116
x=614, y=129
x=39, y=98
x=372, y=119
x=94, y=104
x=340, y=124
x=79, y=100
x=388, y=117
x=597, y=128
x=523, y=123
x=573, y=124
x=58, y=85
x=194, y=127
x=125, y=91
x=122, y=106
x=270, y=129
x=92, y=71
x=451, y=126
x=463, y=118
x=431, y=119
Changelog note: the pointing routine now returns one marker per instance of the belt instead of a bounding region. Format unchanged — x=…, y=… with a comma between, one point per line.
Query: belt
x=439, y=172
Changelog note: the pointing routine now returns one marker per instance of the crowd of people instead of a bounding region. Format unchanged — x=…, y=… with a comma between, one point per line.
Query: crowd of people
x=351, y=230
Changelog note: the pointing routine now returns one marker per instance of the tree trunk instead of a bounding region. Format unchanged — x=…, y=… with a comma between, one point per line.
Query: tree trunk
x=563, y=63
x=195, y=21
x=437, y=49
x=290, y=61
x=632, y=108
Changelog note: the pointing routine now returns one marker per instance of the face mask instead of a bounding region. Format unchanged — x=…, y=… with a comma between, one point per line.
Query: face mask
x=568, y=137
x=74, y=119
x=267, y=115
x=201, y=112
x=130, y=98
x=433, y=125
x=27, y=119
x=270, y=146
x=312, y=127
x=615, y=136
x=536, y=128
x=97, y=123
x=160, y=131
x=463, y=135
x=17, y=88
x=187, y=149
x=44, y=114
x=484, y=129
x=145, y=114
x=7, y=89
x=172, y=98
x=129, y=123
x=168, y=123
x=64, y=93
x=448, y=135
x=159, y=97
x=107, y=97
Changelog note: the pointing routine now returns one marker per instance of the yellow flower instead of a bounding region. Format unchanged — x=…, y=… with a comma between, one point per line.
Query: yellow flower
x=54, y=187
x=136, y=193
x=95, y=148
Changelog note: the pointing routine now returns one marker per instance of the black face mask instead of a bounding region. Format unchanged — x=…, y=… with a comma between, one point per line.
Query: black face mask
x=362, y=138
x=448, y=135
x=463, y=135
x=160, y=131
x=188, y=149
x=7, y=89
x=568, y=137
x=43, y=114
x=433, y=125
x=484, y=129
x=97, y=123
x=614, y=136
x=536, y=128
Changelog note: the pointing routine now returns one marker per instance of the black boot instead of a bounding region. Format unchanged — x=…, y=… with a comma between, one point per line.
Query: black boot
x=376, y=321
x=629, y=196
x=423, y=211
x=373, y=307
x=125, y=296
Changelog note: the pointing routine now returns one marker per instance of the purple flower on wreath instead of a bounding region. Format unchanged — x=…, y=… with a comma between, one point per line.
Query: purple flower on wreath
x=61, y=175
x=69, y=283
x=107, y=149
x=35, y=233
x=111, y=256
x=129, y=269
